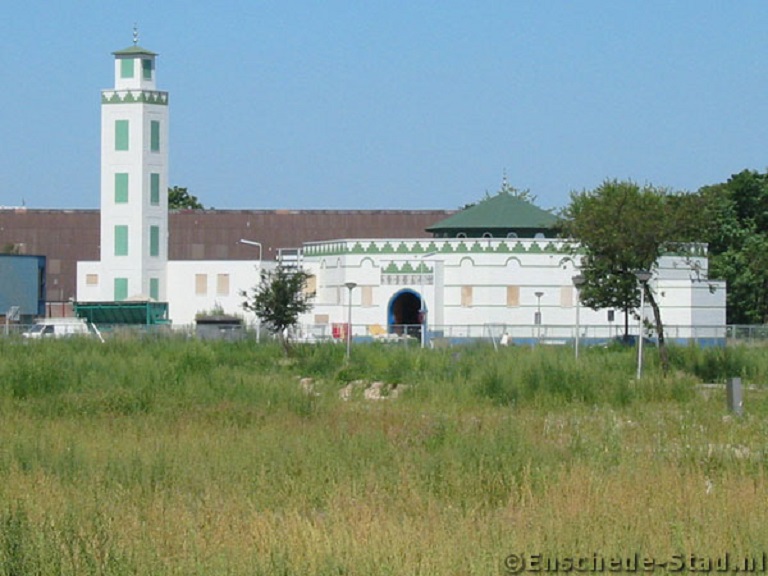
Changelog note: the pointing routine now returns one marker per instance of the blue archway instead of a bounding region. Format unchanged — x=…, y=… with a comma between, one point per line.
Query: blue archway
x=404, y=313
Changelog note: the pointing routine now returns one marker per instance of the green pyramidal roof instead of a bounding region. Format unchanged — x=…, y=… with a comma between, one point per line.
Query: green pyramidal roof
x=134, y=51
x=500, y=211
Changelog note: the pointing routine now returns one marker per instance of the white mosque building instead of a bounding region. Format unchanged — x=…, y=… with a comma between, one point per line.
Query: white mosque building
x=491, y=269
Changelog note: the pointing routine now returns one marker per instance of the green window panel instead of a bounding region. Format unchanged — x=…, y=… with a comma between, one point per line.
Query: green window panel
x=121, y=288
x=146, y=69
x=121, y=134
x=121, y=240
x=154, y=288
x=154, y=240
x=154, y=189
x=126, y=68
x=154, y=137
x=121, y=188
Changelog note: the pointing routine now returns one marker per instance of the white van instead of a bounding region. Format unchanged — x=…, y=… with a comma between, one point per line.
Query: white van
x=61, y=328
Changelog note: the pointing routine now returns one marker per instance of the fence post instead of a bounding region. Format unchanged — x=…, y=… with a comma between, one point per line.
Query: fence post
x=733, y=392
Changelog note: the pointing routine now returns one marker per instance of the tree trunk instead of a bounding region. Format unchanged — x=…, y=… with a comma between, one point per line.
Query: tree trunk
x=663, y=353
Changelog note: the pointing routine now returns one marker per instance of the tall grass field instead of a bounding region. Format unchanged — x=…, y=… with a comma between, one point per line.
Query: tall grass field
x=174, y=456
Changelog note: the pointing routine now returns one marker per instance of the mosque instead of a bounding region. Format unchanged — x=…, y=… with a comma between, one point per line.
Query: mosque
x=493, y=268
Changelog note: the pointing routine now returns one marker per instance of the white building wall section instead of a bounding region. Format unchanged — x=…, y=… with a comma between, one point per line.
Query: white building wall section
x=202, y=285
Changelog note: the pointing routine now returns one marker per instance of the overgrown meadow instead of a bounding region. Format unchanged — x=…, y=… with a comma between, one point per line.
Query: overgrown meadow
x=174, y=456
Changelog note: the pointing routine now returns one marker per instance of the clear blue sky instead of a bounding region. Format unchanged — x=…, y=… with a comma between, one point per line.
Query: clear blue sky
x=392, y=104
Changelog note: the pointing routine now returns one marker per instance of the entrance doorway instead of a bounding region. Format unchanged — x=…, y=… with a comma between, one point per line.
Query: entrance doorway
x=404, y=314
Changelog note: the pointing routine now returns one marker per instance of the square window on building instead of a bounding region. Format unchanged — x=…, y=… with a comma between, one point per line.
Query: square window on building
x=121, y=135
x=222, y=284
x=91, y=279
x=121, y=240
x=121, y=188
x=201, y=284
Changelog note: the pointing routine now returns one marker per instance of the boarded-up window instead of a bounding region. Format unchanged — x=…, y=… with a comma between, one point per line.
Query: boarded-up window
x=513, y=295
x=222, y=284
x=466, y=296
x=566, y=296
x=201, y=284
x=311, y=285
x=321, y=318
x=366, y=295
x=91, y=279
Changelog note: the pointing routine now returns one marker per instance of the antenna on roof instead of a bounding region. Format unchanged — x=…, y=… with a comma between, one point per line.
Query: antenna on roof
x=135, y=34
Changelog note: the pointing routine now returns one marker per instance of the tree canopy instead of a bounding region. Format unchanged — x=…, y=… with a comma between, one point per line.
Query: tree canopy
x=179, y=198
x=279, y=299
x=622, y=228
x=736, y=216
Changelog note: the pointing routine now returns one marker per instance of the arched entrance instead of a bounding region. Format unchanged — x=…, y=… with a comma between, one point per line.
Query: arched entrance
x=403, y=313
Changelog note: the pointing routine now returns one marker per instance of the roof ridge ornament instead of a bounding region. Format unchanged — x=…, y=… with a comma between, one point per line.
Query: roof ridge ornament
x=135, y=34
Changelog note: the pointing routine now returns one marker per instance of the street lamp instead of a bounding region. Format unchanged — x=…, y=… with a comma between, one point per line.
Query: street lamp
x=537, y=317
x=350, y=286
x=642, y=276
x=254, y=243
x=578, y=282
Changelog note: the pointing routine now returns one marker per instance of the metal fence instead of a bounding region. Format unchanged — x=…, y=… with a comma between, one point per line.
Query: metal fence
x=455, y=334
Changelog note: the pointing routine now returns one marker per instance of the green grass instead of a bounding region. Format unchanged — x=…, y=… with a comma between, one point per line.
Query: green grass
x=187, y=457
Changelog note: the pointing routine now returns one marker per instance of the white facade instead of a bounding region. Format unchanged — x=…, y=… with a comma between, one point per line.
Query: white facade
x=482, y=287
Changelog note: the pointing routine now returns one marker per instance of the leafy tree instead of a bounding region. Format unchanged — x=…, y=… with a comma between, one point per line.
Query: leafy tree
x=279, y=299
x=736, y=216
x=179, y=198
x=622, y=228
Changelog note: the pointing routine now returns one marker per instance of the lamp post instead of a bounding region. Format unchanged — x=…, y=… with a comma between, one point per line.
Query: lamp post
x=254, y=243
x=578, y=282
x=350, y=286
x=643, y=276
x=537, y=319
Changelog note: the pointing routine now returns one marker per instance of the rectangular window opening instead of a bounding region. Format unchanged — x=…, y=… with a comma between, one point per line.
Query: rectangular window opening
x=222, y=284
x=121, y=240
x=154, y=189
x=154, y=137
x=121, y=288
x=146, y=69
x=121, y=188
x=154, y=288
x=154, y=240
x=121, y=135
x=126, y=68
x=201, y=284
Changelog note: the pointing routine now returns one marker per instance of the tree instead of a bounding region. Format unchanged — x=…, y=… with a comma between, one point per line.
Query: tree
x=179, y=198
x=622, y=228
x=279, y=299
x=737, y=235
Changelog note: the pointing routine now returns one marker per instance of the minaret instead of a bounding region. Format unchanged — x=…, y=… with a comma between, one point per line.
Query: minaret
x=134, y=179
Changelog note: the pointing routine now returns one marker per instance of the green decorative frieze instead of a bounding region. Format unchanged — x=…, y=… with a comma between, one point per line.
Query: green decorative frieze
x=134, y=97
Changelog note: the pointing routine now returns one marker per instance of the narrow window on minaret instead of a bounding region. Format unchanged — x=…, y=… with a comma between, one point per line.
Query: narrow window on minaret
x=121, y=288
x=146, y=69
x=154, y=240
x=121, y=188
x=154, y=189
x=154, y=138
x=121, y=135
x=121, y=240
x=154, y=288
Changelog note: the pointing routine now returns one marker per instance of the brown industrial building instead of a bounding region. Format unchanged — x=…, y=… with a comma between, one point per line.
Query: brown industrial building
x=68, y=236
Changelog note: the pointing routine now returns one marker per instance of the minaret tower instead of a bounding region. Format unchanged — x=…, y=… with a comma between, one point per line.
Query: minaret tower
x=134, y=179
